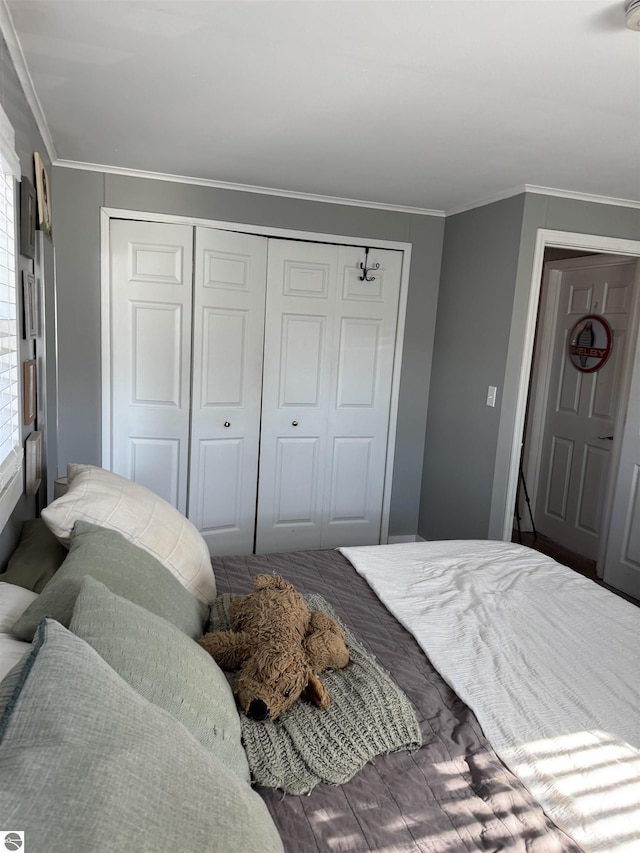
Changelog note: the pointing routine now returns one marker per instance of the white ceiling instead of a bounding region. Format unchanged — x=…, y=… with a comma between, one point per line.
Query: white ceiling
x=431, y=104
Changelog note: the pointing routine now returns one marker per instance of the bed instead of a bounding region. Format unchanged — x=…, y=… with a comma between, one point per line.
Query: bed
x=456, y=793
x=523, y=676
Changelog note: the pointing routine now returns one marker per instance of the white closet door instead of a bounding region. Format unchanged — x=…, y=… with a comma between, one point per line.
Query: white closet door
x=328, y=363
x=228, y=328
x=365, y=321
x=151, y=293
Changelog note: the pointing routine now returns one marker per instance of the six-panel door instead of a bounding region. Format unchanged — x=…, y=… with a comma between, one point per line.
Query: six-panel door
x=228, y=331
x=328, y=364
x=580, y=422
x=150, y=302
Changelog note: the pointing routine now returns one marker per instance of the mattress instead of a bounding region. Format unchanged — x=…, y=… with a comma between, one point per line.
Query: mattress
x=454, y=794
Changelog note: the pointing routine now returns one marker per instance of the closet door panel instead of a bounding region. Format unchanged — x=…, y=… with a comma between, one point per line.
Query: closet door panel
x=358, y=362
x=156, y=463
x=150, y=300
x=296, y=481
x=156, y=354
x=301, y=361
x=329, y=347
x=224, y=347
x=365, y=318
x=350, y=475
x=220, y=509
x=301, y=283
x=228, y=332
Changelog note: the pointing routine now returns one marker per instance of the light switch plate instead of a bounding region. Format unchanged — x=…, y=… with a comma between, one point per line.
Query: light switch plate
x=491, y=395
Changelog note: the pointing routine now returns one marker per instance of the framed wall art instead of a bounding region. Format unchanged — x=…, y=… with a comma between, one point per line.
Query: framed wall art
x=29, y=391
x=590, y=343
x=27, y=219
x=33, y=462
x=30, y=305
x=44, y=196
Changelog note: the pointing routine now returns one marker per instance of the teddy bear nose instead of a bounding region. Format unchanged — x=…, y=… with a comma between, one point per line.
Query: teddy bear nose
x=258, y=710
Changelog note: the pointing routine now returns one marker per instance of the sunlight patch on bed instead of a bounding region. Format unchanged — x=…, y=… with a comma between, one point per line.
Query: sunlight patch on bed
x=593, y=777
x=546, y=659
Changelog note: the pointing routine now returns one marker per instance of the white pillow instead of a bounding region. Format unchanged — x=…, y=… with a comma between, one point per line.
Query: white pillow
x=109, y=500
x=14, y=600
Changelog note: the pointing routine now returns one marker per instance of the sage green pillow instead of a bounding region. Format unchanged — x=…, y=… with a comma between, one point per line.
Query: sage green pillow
x=165, y=666
x=36, y=559
x=125, y=569
x=88, y=764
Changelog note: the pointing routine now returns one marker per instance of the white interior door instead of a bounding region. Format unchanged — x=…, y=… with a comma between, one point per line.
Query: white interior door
x=228, y=332
x=328, y=362
x=150, y=353
x=622, y=559
x=581, y=407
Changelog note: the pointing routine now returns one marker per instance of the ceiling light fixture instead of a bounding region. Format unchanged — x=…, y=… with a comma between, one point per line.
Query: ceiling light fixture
x=633, y=14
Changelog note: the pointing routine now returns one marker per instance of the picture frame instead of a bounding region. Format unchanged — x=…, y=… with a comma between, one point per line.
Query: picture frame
x=28, y=210
x=33, y=462
x=43, y=194
x=30, y=306
x=29, y=391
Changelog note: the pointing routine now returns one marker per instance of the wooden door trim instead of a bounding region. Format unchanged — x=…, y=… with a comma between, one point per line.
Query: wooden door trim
x=109, y=213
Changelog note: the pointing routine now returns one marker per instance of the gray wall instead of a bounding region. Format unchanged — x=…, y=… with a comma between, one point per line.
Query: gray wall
x=479, y=266
x=28, y=140
x=485, y=286
x=557, y=214
x=77, y=197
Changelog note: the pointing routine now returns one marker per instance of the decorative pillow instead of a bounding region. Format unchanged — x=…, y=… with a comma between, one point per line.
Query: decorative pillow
x=86, y=763
x=105, y=498
x=37, y=557
x=122, y=567
x=13, y=602
x=165, y=666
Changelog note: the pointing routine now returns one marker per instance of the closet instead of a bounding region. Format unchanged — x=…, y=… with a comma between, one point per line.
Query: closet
x=249, y=381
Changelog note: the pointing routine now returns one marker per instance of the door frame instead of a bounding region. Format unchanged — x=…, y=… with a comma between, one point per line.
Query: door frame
x=538, y=400
x=562, y=240
x=109, y=213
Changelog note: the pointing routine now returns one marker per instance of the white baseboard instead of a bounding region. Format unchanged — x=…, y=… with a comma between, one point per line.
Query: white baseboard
x=397, y=540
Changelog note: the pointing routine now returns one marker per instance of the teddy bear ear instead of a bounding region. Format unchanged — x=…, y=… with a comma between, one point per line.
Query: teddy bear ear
x=316, y=692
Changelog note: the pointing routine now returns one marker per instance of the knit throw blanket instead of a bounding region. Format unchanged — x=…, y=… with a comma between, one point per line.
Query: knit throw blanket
x=368, y=716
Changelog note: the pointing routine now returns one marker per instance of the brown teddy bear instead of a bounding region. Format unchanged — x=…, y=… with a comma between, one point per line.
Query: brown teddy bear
x=279, y=647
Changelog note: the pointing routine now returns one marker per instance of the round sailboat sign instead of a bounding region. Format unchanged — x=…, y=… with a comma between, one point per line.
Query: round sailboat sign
x=590, y=343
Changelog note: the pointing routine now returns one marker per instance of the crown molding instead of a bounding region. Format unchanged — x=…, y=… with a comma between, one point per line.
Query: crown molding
x=472, y=205
x=596, y=199
x=17, y=57
x=247, y=188
x=549, y=191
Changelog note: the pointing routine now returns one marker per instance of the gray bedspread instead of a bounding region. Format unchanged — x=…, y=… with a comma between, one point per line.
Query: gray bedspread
x=453, y=795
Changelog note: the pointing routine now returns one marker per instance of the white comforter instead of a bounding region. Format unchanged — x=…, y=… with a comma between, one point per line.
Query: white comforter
x=548, y=661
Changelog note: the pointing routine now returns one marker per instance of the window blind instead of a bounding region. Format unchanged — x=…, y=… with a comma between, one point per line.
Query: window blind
x=10, y=421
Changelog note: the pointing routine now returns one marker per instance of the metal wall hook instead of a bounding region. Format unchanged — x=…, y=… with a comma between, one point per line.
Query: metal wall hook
x=366, y=270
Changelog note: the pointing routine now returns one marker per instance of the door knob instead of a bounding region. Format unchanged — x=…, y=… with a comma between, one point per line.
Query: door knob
x=227, y=424
x=294, y=423
x=606, y=437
